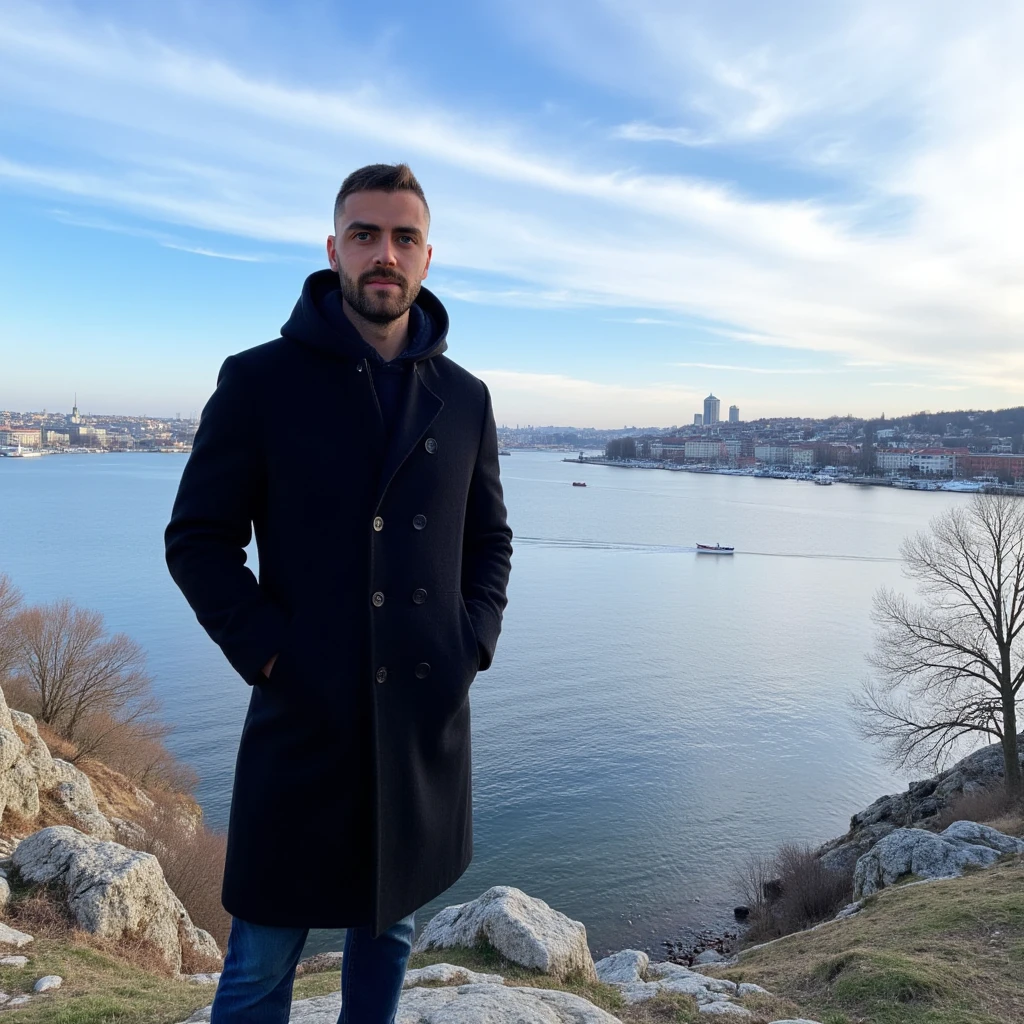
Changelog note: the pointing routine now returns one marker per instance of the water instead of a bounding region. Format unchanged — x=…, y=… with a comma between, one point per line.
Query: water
x=652, y=717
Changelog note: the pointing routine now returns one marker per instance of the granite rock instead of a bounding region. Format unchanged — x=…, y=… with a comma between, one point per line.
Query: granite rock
x=112, y=890
x=465, y=1004
x=523, y=929
x=628, y=965
x=923, y=853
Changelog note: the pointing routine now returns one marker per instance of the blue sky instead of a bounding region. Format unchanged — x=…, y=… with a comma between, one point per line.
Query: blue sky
x=806, y=208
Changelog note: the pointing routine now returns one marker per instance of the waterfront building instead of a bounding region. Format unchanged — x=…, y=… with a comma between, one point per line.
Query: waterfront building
x=712, y=410
x=1001, y=466
x=27, y=437
x=803, y=454
x=773, y=454
x=734, y=414
x=705, y=451
x=698, y=419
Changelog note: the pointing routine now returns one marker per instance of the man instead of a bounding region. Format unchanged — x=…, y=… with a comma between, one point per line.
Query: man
x=367, y=462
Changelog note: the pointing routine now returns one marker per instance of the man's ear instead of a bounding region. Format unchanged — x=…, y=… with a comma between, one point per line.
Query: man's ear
x=426, y=266
x=332, y=253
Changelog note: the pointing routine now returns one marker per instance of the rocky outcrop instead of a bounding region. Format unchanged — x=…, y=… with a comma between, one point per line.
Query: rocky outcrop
x=28, y=769
x=918, y=807
x=449, y=974
x=930, y=855
x=73, y=791
x=37, y=753
x=111, y=890
x=463, y=1004
x=523, y=929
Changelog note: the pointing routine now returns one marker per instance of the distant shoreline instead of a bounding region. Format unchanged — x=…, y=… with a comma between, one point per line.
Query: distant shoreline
x=946, y=486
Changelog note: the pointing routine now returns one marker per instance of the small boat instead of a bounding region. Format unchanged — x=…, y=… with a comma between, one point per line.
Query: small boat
x=504, y=451
x=823, y=480
x=713, y=549
x=579, y=483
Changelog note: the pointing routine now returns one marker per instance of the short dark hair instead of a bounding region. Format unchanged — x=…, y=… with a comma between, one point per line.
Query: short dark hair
x=379, y=178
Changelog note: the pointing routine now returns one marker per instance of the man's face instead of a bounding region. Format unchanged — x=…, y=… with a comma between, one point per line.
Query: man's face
x=380, y=252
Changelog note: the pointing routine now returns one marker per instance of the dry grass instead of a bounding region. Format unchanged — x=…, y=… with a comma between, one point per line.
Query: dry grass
x=56, y=744
x=982, y=805
x=192, y=857
x=950, y=952
x=116, y=795
x=790, y=892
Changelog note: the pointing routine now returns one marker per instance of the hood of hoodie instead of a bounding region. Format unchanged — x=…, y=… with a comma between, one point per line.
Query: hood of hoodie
x=319, y=321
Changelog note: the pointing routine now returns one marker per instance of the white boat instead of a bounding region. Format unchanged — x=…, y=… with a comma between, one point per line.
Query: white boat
x=713, y=549
x=823, y=480
x=21, y=453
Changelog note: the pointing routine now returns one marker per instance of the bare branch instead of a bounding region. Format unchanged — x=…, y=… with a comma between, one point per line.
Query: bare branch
x=952, y=666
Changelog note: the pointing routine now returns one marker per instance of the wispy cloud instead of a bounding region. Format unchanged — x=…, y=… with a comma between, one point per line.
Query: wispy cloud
x=830, y=270
x=198, y=251
x=640, y=131
x=783, y=370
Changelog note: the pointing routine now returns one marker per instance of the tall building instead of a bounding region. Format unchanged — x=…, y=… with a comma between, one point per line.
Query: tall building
x=698, y=420
x=734, y=414
x=712, y=410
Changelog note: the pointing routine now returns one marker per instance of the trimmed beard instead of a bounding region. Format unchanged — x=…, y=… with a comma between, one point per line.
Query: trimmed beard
x=378, y=307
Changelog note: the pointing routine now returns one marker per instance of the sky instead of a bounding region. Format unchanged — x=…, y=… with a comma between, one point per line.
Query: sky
x=806, y=208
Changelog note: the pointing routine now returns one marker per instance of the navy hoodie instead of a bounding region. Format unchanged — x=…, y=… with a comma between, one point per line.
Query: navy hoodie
x=319, y=319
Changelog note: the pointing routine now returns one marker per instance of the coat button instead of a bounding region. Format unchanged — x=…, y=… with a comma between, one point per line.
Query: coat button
x=431, y=445
x=419, y=596
x=419, y=522
x=378, y=599
x=422, y=670
x=378, y=523
x=382, y=674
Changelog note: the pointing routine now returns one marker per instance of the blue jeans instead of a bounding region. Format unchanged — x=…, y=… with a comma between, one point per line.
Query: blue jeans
x=256, y=984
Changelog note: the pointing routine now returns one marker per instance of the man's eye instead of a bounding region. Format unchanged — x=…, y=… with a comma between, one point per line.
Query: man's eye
x=406, y=239
x=362, y=236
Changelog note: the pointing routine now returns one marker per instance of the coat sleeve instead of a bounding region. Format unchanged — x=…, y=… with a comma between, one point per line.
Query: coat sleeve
x=221, y=489
x=487, y=543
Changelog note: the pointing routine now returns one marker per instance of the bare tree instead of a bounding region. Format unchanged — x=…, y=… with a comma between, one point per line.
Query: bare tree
x=10, y=604
x=78, y=676
x=952, y=666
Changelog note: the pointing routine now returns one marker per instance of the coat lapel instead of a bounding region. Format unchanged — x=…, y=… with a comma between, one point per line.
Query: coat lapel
x=419, y=410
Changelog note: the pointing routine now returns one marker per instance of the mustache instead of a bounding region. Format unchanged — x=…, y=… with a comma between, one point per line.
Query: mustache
x=382, y=275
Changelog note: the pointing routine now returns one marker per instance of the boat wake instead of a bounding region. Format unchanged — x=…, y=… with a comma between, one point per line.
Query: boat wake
x=683, y=549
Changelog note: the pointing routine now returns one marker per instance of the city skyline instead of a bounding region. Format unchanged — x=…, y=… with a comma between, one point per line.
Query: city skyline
x=802, y=212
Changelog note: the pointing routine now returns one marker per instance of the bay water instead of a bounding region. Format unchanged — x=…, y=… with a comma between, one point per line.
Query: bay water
x=653, y=716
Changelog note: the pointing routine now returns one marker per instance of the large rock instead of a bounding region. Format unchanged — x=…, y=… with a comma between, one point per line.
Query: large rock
x=920, y=805
x=523, y=929
x=622, y=968
x=927, y=855
x=37, y=753
x=465, y=1004
x=74, y=792
x=675, y=979
x=6, y=722
x=111, y=890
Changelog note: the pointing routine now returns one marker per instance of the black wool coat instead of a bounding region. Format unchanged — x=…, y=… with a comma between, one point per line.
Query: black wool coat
x=384, y=556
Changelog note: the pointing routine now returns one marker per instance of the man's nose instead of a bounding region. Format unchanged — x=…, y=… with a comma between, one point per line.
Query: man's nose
x=385, y=256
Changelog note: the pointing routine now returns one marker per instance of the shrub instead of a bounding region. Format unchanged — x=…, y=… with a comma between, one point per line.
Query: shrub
x=192, y=857
x=790, y=892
